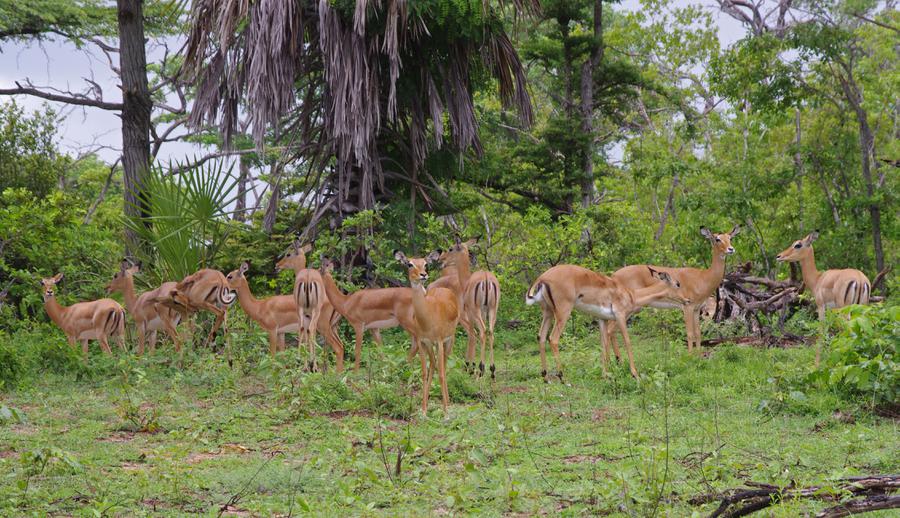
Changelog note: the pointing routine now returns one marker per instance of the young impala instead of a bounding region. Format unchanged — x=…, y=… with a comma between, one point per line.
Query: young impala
x=568, y=287
x=149, y=317
x=278, y=314
x=831, y=288
x=479, y=294
x=696, y=284
x=84, y=321
x=435, y=315
x=369, y=309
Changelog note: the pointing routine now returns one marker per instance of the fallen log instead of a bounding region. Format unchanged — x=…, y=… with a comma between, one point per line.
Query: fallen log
x=786, y=340
x=875, y=489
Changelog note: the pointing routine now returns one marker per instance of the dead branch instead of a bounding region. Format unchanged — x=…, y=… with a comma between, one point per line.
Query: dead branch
x=757, y=496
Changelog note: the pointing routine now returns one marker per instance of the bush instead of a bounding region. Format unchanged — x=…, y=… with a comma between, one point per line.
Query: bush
x=10, y=365
x=861, y=358
x=385, y=401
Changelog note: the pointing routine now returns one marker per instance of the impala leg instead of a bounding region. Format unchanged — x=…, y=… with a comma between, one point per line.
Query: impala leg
x=153, y=337
x=358, y=330
x=623, y=327
x=413, y=349
x=84, y=348
x=479, y=326
x=492, y=320
x=604, y=344
x=688, y=326
x=432, y=361
x=313, y=324
x=466, y=324
x=333, y=340
x=273, y=342
x=443, y=348
x=281, y=340
x=220, y=320
x=424, y=381
x=698, y=335
x=562, y=314
x=376, y=335
x=542, y=340
x=168, y=325
x=612, y=340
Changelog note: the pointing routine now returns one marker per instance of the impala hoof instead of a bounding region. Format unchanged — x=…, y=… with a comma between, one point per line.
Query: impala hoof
x=559, y=375
x=544, y=375
x=481, y=369
x=493, y=371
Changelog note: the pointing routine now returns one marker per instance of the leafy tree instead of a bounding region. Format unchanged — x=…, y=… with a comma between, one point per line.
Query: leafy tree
x=28, y=156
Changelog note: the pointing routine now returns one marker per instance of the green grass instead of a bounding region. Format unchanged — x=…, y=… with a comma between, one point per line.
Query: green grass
x=142, y=436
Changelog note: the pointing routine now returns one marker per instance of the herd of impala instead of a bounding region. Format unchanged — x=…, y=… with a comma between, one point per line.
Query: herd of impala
x=430, y=315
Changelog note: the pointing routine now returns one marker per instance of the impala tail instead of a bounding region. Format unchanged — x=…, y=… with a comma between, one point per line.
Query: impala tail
x=535, y=294
x=226, y=296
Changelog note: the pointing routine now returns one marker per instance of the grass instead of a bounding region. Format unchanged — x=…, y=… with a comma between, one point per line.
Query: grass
x=141, y=436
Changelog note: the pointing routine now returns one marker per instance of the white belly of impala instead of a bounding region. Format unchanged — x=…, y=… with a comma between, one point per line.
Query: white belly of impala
x=601, y=312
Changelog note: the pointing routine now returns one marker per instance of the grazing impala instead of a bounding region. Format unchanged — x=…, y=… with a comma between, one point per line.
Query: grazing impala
x=149, y=317
x=565, y=287
x=369, y=309
x=309, y=297
x=696, y=284
x=278, y=314
x=435, y=315
x=479, y=294
x=205, y=290
x=831, y=288
x=84, y=321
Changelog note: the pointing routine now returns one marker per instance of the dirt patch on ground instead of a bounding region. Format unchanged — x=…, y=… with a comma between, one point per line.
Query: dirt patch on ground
x=119, y=436
x=604, y=414
x=9, y=454
x=230, y=510
x=133, y=466
x=581, y=459
x=513, y=389
x=225, y=449
x=23, y=429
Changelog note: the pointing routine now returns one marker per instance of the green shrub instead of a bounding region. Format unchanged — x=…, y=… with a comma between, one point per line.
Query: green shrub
x=861, y=359
x=10, y=364
x=384, y=400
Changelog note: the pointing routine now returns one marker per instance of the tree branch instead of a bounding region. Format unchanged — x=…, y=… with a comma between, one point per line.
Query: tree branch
x=75, y=99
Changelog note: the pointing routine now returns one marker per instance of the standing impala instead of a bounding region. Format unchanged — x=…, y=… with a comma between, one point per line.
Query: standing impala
x=696, y=284
x=84, y=321
x=479, y=297
x=205, y=290
x=278, y=314
x=370, y=309
x=149, y=317
x=565, y=287
x=435, y=315
x=831, y=288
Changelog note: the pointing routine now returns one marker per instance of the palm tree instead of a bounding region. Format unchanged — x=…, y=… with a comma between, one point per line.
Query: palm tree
x=362, y=90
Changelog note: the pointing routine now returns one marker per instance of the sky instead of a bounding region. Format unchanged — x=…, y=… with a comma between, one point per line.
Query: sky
x=82, y=129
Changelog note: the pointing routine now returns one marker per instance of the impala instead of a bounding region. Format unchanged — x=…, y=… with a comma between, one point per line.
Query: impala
x=278, y=314
x=479, y=294
x=309, y=296
x=149, y=316
x=84, y=321
x=831, y=288
x=568, y=287
x=370, y=309
x=696, y=284
x=435, y=315
x=204, y=290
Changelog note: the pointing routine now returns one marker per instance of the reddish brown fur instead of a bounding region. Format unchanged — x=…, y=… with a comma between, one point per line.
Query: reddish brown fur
x=85, y=321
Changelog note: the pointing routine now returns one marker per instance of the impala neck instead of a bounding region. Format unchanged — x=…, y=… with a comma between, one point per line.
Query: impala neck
x=461, y=269
x=809, y=271
x=128, y=294
x=55, y=310
x=716, y=271
x=337, y=298
x=249, y=303
x=419, y=306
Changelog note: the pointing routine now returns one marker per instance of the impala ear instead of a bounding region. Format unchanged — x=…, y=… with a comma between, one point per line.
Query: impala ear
x=735, y=231
x=244, y=267
x=124, y=264
x=434, y=256
x=471, y=242
x=400, y=256
x=706, y=233
x=58, y=277
x=327, y=264
x=457, y=239
x=306, y=248
x=812, y=237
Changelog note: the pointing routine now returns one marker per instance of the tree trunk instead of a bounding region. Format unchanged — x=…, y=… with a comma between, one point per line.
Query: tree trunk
x=240, y=205
x=274, y=199
x=591, y=64
x=798, y=168
x=135, y=112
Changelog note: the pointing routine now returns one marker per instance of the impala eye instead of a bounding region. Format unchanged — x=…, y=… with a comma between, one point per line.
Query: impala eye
x=798, y=245
x=718, y=240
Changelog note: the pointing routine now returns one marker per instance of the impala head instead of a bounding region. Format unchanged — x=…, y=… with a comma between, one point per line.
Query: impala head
x=295, y=258
x=674, y=287
x=127, y=270
x=416, y=267
x=236, y=277
x=48, y=284
x=457, y=253
x=327, y=266
x=799, y=250
x=721, y=242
